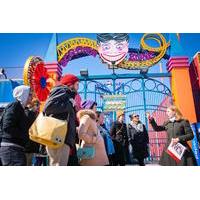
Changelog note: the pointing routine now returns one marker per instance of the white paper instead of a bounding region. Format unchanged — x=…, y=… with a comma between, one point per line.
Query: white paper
x=176, y=150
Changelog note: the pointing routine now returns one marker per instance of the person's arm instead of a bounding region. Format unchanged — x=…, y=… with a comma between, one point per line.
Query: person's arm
x=128, y=133
x=146, y=135
x=83, y=128
x=188, y=132
x=113, y=131
x=11, y=120
x=31, y=117
x=125, y=134
x=155, y=126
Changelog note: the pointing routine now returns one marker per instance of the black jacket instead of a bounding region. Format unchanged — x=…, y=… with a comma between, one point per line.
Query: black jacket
x=183, y=131
x=15, y=124
x=59, y=105
x=118, y=132
x=139, y=141
x=31, y=146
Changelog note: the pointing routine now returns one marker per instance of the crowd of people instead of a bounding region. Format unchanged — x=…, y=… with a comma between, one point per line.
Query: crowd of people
x=123, y=144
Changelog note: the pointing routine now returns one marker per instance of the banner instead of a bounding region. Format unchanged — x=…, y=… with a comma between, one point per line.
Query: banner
x=195, y=143
x=198, y=130
x=114, y=102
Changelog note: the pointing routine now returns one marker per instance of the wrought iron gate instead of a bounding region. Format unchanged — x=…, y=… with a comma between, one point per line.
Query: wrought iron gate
x=142, y=95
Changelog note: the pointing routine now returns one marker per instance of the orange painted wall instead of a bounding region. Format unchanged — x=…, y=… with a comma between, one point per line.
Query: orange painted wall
x=182, y=92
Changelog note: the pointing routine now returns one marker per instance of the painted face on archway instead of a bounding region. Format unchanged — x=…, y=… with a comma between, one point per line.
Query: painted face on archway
x=113, y=52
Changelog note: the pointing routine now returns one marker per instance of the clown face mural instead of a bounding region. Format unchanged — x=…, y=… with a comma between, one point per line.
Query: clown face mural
x=112, y=47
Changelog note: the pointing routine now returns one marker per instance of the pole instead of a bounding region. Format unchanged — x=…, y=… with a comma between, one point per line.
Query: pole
x=85, y=89
x=145, y=108
x=144, y=102
x=161, y=71
x=95, y=93
x=114, y=91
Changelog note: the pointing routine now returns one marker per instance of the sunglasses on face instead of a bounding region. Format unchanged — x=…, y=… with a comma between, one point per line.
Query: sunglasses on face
x=136, y=116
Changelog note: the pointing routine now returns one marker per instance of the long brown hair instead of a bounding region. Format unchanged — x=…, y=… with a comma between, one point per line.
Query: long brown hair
x=175, y=109
x=98, y=113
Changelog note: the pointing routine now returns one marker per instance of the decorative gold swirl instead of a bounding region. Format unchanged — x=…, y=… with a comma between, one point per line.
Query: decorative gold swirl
x=163, y=45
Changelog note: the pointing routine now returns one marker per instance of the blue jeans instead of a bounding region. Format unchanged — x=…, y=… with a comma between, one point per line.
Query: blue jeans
x=12, y=156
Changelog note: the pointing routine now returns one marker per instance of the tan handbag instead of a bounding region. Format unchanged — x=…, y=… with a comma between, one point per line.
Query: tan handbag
x=49, y=131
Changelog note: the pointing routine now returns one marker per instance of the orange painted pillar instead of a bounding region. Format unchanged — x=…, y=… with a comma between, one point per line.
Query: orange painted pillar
x=181, y=87
x=195, y=81
x=196, y=61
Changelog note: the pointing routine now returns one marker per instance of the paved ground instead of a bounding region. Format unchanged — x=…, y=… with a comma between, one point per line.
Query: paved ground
x=147, y=163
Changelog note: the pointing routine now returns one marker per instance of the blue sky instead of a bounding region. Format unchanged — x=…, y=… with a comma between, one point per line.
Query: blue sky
x=16, y=48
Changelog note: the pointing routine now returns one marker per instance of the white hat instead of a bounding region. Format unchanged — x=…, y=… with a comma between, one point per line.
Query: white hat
x=21, y=93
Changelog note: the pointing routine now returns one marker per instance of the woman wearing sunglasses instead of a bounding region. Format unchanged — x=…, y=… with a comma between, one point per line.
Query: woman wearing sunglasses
x=138, y=139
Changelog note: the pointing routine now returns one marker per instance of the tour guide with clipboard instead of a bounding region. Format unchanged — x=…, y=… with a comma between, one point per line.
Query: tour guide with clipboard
x=179, y=133
x=176, y=151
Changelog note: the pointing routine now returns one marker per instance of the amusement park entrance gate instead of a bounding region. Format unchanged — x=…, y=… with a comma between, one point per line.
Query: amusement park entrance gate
x=145, y=92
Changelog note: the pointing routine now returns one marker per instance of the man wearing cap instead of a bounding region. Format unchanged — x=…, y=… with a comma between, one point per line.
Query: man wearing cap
x=119, y=136
x=61, y=105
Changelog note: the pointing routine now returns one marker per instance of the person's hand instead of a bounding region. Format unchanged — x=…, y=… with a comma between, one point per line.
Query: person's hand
x=34, y=106
x=175, y=141
x=148, y=115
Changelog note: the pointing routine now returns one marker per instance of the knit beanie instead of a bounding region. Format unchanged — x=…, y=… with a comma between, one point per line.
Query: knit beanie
x=21, y=93
x=69, y=79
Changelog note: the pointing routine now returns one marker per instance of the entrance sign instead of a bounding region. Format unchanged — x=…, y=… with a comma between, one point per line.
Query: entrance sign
x=112, y=47
x=114, y=102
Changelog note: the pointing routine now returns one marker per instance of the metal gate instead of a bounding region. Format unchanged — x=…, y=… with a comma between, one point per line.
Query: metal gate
x=148, y=95
x=143, y=95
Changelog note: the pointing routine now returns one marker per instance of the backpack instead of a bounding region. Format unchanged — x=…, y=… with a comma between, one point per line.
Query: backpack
x=57, y=101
